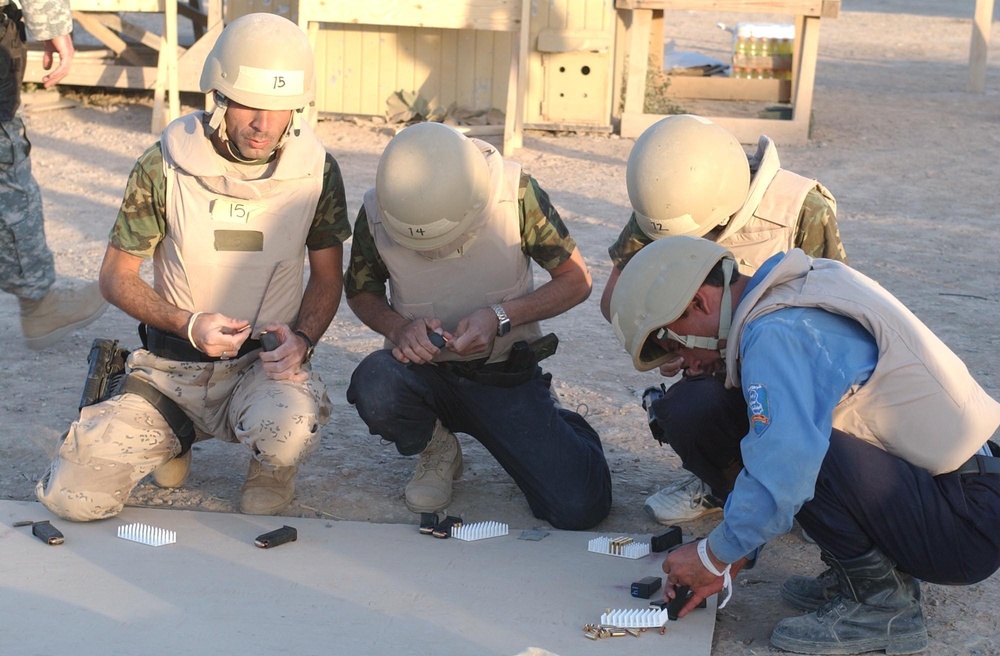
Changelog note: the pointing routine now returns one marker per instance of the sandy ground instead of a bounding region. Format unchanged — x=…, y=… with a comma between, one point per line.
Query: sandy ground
x=909, y=154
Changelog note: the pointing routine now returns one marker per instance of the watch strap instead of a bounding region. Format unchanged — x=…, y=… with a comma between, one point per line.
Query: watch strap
x=309, y=344
x=503, y=327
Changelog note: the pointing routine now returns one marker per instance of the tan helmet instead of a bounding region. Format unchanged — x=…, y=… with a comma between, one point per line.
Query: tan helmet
x=686, y=176
x=656, y=287
x=432, y=182
x=262, y=61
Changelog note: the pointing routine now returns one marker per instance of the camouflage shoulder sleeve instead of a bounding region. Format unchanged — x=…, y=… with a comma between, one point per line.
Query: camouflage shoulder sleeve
x=630, y=241
x=331, y=225
x=366, y=272
x=47, y=19
x=141, y=222
x=818, y=234
x=544, y=236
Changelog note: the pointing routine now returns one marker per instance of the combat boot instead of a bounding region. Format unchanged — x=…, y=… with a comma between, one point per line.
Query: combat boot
x=174, y=472
x=267, y=491
x=440, y=463
x=878, y=609
x=47, y=320
x=810, y=592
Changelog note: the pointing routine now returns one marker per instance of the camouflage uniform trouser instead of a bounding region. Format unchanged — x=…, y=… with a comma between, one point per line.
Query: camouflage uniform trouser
x=114, y=444
x=27, y=269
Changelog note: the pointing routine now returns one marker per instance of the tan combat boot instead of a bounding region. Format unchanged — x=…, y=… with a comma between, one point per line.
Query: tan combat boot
x=174, y=472
x=267, y=492
x=440, y=463
x=44, y=322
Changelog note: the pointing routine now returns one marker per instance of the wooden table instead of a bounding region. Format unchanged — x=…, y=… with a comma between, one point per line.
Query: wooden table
x=638, y=19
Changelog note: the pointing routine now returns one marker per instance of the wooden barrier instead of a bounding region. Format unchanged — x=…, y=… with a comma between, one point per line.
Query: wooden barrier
x=491, y=15
x=120, y=65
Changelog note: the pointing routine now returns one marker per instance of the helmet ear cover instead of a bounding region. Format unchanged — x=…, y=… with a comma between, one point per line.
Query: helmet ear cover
x=686, y=176
x=654, y=290
x=432, y=182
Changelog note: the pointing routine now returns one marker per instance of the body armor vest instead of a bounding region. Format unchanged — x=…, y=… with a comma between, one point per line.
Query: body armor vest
x=235, y=239
x=488, y=268
x=920, y=404
x=769, y=219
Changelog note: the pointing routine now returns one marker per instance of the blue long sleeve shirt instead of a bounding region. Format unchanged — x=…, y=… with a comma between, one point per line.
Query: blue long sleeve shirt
x=796, y=365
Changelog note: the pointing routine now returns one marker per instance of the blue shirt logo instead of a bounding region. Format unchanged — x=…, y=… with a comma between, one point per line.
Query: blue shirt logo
x=757, y=408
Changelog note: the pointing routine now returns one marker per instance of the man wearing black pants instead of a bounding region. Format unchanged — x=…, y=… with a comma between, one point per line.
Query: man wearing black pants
x=862, y=425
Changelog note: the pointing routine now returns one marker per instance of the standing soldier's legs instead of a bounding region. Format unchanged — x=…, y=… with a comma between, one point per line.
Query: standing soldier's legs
x=280, y=421
x=27, y=269
x=105, y=454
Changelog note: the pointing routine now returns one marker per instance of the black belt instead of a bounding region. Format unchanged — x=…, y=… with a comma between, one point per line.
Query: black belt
x=980, y=465
x=170, y=346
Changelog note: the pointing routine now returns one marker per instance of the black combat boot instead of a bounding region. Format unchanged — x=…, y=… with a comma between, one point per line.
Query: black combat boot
x=811, y=592
x=878, y=609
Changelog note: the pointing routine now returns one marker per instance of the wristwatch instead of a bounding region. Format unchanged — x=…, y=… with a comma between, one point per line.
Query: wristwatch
x=309, y=345
x=504, y=326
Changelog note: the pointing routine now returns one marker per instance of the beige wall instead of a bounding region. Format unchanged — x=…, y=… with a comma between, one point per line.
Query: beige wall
x=360, y=66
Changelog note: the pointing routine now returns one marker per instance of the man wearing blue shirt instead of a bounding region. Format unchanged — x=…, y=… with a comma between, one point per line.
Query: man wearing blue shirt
x=863, y=425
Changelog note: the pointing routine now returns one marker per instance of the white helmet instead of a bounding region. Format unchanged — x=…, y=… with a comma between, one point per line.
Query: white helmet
x=432, y=183
x=656, y=287
x=686, y=176
x=262, y=61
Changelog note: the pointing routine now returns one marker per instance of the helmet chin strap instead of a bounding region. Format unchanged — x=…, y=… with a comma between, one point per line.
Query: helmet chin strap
x=725, y=319
x=217, y=123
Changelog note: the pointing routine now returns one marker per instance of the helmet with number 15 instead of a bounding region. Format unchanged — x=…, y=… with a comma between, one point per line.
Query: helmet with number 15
x=261, y=61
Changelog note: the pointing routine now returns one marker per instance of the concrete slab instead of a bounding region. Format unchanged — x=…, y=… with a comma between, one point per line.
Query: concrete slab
x=341, y=588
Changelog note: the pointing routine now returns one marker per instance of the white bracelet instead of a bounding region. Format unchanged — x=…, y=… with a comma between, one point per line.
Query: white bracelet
x=191, y=320
x=727, y=579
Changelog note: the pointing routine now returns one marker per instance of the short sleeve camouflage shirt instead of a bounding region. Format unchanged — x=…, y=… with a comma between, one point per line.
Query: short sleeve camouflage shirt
x=544, y=238
x=817, y=233
x=141, y=222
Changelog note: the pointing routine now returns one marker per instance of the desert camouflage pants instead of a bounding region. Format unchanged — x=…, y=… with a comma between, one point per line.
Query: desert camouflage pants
x=27, y=269
x=114, y=444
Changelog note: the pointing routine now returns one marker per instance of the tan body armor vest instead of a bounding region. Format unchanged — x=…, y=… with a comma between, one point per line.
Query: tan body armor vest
x=920, y=404
x=769, y=219
x=450, y=284
x=236, y=245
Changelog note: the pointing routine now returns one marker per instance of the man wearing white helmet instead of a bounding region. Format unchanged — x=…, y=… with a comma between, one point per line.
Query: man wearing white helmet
x=863, y=426
x=688, y=176
x=227, y=205
x=451, y=229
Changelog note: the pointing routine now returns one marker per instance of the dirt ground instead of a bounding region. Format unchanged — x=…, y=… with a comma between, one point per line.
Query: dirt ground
x=909, y=154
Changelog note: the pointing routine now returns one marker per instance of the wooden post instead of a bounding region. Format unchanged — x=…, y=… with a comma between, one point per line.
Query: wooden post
x=637, y=50
x=170, y=45
x=979, y=48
